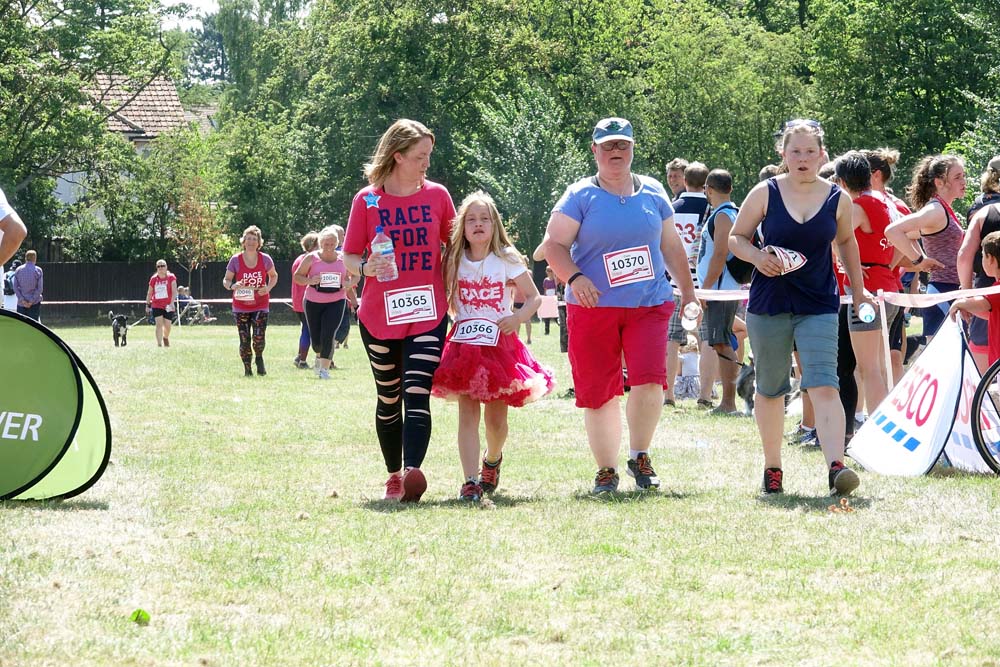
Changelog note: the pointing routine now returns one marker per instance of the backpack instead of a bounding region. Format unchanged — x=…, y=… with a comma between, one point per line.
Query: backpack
x=8, y=283
x=740, y=269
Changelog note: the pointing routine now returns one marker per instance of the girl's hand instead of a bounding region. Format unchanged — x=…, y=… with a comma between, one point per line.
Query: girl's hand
x=351, y=280
x=233, y=286
x=927, y=264
x=263, y=290
x=510, y=324
x=768, y=264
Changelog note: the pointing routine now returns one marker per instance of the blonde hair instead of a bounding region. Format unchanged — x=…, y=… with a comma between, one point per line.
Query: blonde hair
x=399, y=138
x=255, y=230
x=341, y=232
x=922, y=188
x=500, y=243
x=690, y=345
x=793, y=127
x=883, y=160
x=990, y=180
x=326, y=233
x=309, y=241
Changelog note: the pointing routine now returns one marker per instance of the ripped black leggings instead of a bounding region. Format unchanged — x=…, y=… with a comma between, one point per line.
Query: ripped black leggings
x=404, y=367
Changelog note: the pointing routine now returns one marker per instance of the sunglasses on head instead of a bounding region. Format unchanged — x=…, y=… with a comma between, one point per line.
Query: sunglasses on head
x=798, y=121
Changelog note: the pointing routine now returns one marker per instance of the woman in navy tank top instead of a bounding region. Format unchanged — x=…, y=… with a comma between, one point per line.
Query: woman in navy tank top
x=800, y=212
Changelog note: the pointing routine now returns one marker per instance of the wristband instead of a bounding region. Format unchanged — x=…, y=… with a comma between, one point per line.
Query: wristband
x=574, y=277
x=361, y=267
x=920, y=259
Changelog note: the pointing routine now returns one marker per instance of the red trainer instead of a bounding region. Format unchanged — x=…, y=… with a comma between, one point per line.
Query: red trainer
x=489, y=476
x=414, y=485
x=393, y=488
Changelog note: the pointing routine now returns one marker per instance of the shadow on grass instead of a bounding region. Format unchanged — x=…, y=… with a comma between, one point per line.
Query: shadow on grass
x=56, y=505
x=634, y=496
x=496, y=501
x=793, y=501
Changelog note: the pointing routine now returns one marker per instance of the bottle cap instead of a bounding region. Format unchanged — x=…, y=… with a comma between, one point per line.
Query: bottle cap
x=378, y=229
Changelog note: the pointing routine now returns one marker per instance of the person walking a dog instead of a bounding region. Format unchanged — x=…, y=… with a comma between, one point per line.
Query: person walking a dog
x=160, y=299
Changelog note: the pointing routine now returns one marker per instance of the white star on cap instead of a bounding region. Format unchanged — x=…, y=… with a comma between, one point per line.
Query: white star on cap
x=371, y=200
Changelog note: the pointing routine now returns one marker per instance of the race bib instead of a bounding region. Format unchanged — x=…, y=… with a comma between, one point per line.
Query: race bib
x=160, y=291
x=631, y=265
x=329, y=280
x=476, y=331
x=244, y=294
x=410, y=304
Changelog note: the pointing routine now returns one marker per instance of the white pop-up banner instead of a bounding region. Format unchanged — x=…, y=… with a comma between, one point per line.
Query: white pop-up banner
x=928, y=412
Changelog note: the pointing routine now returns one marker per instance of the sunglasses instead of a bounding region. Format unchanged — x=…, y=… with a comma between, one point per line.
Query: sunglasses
x=798, y=121
x=161, y=266
x=620, y=145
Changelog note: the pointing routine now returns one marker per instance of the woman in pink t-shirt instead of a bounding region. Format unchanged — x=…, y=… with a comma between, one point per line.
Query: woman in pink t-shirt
x=251, y=276
x=402, y=321
x=326, y=280
x=308, y=243
x=160, y=299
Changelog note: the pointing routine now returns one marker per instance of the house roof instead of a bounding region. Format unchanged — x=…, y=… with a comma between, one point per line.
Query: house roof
x=153, y=111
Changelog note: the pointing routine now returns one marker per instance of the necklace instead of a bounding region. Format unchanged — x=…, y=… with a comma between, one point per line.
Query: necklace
x=621, y=196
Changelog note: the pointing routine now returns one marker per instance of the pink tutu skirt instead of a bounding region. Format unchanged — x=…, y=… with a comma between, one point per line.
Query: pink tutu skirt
x=505, y=372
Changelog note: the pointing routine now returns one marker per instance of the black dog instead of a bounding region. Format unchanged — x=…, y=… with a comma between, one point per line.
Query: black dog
x=119, y=328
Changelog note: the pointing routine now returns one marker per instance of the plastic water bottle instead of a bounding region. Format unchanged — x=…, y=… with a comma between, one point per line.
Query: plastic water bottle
x=382, y=245
x=689, y=317
x=866, y=313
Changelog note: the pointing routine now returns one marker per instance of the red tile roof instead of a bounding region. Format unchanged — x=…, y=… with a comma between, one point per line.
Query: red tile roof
x=153, y=111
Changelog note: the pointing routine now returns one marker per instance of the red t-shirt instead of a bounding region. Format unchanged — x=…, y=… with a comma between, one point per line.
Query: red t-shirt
x=875, y=250
x=252, y=279
x=993, y=327
x=418, y=225
x=161, y=290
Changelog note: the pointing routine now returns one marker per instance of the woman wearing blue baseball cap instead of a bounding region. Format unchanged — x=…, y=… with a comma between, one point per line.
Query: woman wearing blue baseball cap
x=611, y=237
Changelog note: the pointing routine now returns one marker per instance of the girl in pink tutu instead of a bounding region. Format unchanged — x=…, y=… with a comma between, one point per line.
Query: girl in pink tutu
x=484, y=362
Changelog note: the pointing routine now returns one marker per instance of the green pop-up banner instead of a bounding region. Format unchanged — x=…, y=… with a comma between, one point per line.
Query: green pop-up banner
x=55, y=435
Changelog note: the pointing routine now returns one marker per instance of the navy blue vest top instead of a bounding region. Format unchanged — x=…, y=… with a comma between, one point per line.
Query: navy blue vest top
x=812, y=289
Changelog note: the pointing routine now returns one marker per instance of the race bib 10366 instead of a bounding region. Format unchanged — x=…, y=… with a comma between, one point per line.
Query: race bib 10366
x=476, y=331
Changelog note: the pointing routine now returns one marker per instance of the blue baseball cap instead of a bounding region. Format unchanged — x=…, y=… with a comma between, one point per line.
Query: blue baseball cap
x=612, y=129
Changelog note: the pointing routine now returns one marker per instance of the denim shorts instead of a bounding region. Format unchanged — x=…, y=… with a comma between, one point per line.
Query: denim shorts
x=815, y=339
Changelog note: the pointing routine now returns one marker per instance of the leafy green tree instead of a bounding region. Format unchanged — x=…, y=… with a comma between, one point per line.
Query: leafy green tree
x=523, y=158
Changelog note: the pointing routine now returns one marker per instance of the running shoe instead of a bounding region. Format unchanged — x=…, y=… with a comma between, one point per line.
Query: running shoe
x=323, y=374
x=470, y=492
x=296, y=361
x=809, y=439
x=302, y=365
x=489, y=476
x=393, y=488
x=772, y=481
x=642, y=470
x=843, y=480
x=606, y=481
x=414, y=485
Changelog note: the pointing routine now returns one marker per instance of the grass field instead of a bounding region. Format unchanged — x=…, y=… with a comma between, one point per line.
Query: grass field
x=244, y=516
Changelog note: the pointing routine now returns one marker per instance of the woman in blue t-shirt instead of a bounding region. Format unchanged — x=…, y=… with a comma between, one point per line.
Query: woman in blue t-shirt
x=800, y=212
x=611, y=239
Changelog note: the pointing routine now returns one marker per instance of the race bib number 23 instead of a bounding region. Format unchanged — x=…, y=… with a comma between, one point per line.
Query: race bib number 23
x=410, y=304
x=631, y=265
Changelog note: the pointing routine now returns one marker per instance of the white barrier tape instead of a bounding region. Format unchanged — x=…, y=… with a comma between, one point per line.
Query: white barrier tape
x=924, y=300
x=127, y=301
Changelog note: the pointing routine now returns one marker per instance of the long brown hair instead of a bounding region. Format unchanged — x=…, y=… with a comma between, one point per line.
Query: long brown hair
x=500, y=243
x=399, y=138
x=922, y=188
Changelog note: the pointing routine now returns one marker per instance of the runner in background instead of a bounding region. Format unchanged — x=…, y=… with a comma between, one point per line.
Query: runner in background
x=161, y=299
x=251, y=276
x=308, y=244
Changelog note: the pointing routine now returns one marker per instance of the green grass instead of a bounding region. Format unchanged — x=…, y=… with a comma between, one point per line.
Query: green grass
x=218, y=518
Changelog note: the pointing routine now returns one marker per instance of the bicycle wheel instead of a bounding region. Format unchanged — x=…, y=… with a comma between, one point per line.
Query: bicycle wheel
x=987, y=435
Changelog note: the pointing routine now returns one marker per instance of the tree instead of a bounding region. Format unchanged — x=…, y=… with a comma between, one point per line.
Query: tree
x=524, y=159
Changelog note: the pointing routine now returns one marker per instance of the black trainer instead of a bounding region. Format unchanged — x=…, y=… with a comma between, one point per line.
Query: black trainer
x=606, y=481
x=260, y=366
x=642, y=470
x=843, y=480
x=772, y=481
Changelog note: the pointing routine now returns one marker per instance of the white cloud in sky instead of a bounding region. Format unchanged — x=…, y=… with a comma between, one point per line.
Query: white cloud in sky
x=197, y=7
